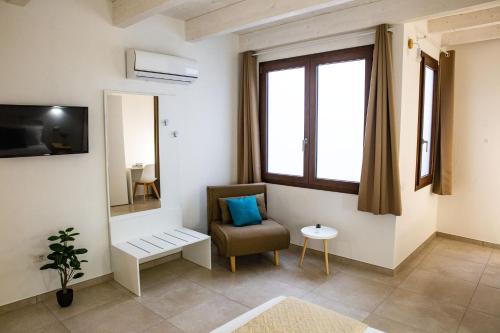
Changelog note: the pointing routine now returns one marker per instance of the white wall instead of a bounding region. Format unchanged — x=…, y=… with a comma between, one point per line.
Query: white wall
x=138, y=129
x=418, y=221
x=473, y=210
x=362, y=236
x=66, y=52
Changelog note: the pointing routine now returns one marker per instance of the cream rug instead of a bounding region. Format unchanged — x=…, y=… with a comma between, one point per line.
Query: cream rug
x=293, y=315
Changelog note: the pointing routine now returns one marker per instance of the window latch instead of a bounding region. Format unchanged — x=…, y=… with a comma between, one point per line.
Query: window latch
x=426, y=143
x=304, y=143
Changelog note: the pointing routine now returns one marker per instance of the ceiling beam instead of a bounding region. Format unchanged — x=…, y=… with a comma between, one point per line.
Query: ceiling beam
x=18, y=2
x=128, y=12
x=475, y=19
x=249, y=14
x=471, y=35
x=350, y=19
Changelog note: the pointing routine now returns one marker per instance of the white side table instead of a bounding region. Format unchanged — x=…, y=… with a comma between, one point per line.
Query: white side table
x=324, y=233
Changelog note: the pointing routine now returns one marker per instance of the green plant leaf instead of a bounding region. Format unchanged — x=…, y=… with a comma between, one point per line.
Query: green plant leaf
x=53, y=238
x=70, y=229
x=75, y=234
x=48, y=266
x=80, y=251
x=84, y=261
x=56, y=247
x=78, y=275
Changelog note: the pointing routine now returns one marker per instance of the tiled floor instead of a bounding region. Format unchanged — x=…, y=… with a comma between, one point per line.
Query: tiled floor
x=451, y=287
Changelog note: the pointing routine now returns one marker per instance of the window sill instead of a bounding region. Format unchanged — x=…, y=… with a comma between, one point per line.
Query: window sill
x=348, y=188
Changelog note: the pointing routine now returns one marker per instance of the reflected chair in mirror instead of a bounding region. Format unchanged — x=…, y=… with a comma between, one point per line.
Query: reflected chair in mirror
x=147, y=180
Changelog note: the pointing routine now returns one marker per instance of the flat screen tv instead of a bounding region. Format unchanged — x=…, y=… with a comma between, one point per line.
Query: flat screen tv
x=29, y=130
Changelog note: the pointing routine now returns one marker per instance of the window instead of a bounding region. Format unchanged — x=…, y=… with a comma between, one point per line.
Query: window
x=312, y=112
x=426, y=121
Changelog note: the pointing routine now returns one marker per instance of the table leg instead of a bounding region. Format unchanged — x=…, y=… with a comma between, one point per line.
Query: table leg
x=325, y=246
x=303, y=251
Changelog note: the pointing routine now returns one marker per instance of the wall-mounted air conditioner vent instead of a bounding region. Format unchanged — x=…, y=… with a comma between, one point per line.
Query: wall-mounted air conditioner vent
x=152, y=66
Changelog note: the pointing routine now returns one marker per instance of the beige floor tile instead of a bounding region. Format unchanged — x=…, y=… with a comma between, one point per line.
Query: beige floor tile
x=128, y=316
x=174, y=297
x=486, y=299
x=207, y=316
x=477, y=322
x=495, y=258
x=336, y=306
x=390, y=326
x=462, y=251
x=307, y=277
x=491, y=276
x=440, y=287
x=26, y=319
x=219, y=279
x=163, y=327
x=421, y=311
x=166, y=272
x=356, y=291
x=86, y=299
x=259, y=290
x=451, y=267
x=56, y=327
x=374, y=275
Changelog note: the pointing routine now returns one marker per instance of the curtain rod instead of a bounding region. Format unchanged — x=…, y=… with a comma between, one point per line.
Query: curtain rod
x=313, y=42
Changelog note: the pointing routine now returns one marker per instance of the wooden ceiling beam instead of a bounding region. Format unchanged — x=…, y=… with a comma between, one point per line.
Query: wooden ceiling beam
x=128, y=12
x=350, y=19
x=471, y=35
x=248, y=14
x=464, y=21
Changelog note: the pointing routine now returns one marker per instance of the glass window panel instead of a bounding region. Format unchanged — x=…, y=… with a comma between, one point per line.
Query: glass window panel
x=286, y=122
x=425, y=142
x=340, y=120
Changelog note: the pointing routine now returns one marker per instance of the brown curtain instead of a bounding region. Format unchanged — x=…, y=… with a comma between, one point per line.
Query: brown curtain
x=379, y=188
x=442, y=181
x=248, y=123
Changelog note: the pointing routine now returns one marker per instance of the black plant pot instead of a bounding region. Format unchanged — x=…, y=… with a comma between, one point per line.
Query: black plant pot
x=65, y=298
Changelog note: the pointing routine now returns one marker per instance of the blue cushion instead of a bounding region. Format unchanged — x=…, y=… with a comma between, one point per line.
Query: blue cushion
x=244, y=211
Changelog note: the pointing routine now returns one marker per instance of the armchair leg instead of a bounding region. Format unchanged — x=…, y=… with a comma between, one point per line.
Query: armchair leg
x=232, y=261
x=276, y=257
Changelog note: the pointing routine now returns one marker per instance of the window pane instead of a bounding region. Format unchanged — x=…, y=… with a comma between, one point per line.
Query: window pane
x=340, y=120
x=425, y=157
x=286, y=122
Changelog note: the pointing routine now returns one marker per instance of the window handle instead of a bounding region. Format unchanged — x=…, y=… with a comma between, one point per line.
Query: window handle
x=304, y=143
x=426, y=143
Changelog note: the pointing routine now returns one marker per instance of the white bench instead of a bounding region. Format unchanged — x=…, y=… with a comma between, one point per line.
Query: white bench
x=128, y=255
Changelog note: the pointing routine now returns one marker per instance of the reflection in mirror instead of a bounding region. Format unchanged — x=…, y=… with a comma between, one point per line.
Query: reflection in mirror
x=132, y=153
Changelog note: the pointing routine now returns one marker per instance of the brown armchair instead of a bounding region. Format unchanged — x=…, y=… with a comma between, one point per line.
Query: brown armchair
x=232, y=241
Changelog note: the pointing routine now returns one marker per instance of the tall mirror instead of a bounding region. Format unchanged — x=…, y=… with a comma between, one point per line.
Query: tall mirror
x=132, y=152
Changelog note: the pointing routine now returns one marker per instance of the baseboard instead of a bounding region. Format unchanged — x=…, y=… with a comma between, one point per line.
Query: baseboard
x=354, y=262
x=415, y=253
x=468, y=240
x=41, y=297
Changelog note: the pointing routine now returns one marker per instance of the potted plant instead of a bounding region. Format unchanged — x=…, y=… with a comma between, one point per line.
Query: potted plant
x=65, y=260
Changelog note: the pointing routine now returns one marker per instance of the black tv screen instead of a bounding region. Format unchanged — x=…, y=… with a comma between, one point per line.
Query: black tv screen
x=28, y=130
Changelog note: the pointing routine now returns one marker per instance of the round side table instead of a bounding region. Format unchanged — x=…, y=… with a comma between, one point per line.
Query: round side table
x=324, y=233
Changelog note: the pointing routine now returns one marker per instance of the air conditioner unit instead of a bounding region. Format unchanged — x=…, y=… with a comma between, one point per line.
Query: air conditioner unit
x=152, y=66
